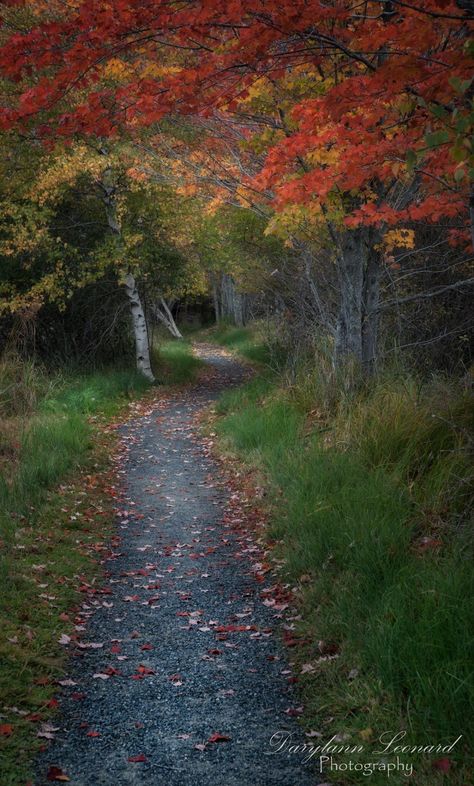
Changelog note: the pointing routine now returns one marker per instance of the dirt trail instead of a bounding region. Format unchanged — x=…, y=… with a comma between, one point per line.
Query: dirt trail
x=188, y=647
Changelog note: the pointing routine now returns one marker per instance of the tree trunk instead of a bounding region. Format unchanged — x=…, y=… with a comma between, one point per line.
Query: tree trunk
x=140, y=330
x=370, y=318
x=348, y=343
x=163, y=314
x=139, y=326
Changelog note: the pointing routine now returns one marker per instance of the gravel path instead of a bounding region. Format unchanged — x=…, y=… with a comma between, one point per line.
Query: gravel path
x=187, y=650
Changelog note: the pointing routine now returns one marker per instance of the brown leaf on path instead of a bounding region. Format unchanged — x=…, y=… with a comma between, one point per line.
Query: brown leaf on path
x=6, y=729
x=140, y=757
x=144, y=670
x=93, y=733
x=218, y=737
x=56, y=774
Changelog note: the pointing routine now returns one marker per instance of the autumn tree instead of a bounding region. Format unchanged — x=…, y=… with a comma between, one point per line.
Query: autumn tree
x=371, y=139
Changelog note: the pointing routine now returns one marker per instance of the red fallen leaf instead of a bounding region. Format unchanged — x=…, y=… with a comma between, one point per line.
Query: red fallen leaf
x=93, y=734
x=53, y=704
x=144, y=669
x=444, y=765
x=78, y=696
x=215, y=652
x=146, y=646
x=111, y=672
x=6, y=729
x=64, y=617
x=34, y=717
x=152, y=600
x=115, y=649
x=56, y=774
x=140, y=757
x=218, y=737
x=234, y=628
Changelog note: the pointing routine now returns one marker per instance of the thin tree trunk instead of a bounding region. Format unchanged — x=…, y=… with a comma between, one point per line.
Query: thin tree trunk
x=348, y=344
x=371, y=314
x=163, y=314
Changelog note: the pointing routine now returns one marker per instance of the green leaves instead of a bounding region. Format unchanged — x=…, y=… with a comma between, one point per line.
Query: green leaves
x=437, y=138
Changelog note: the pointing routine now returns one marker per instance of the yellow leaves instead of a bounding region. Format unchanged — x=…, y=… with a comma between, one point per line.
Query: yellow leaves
x=155, y=70
x=323, y=156
x=398, y=238
x=118, y=70
x=186, y=190
x=294, y=220
x=245, y=196
x=64, y=170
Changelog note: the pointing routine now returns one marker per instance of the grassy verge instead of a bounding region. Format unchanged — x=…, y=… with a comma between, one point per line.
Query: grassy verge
x=240, y=340
x=50, y=535
x=368, y=508
x=177, y=364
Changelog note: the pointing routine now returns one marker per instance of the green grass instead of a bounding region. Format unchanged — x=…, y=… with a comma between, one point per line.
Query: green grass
x=243, y=341
x=50, y=535
x=177, y=364
x=369, y=512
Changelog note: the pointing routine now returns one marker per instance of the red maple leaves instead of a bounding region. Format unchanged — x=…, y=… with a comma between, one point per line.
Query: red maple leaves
x=377, y=85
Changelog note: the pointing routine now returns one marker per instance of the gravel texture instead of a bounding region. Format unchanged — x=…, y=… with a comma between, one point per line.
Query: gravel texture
x=165, y=678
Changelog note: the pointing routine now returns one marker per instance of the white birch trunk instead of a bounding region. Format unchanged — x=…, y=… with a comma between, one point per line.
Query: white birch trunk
x=163, y=314
x=140, y=330
x=139, y=326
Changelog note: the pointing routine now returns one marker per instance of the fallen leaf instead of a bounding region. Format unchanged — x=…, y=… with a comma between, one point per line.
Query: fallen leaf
x=200, y=746
x=444, y=765
x=93, y=733
x=64, y=639
x=138, y=758
x=6, y=729
x=218, y=737
x=294, y=711
x=56, y=774
x=366, y=734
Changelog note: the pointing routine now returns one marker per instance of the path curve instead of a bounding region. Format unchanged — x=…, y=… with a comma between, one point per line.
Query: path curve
x=166, y=678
